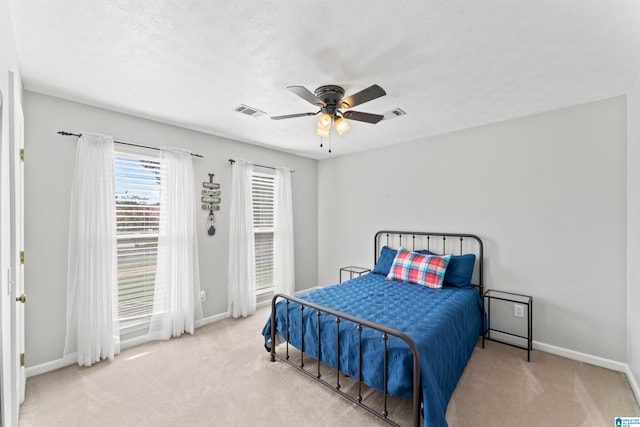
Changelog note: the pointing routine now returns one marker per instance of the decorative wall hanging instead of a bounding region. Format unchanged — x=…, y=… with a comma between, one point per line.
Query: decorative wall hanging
x=211, y=202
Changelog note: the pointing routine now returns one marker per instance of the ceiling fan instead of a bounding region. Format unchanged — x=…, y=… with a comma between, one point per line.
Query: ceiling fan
x=330, y=99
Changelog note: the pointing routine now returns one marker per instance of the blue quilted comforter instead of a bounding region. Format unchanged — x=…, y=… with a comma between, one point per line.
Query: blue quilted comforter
x=443, y=323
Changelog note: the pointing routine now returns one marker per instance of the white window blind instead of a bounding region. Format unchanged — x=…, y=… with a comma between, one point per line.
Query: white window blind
x=137, y=189
x=262, y=193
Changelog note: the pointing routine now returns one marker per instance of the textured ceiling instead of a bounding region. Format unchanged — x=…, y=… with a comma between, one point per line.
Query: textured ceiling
x=449, y=64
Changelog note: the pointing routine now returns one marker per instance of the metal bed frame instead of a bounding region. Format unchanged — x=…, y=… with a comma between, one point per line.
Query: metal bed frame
x=391, y=237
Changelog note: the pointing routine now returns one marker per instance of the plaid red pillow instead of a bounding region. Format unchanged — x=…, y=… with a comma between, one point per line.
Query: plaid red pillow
x=418, y=268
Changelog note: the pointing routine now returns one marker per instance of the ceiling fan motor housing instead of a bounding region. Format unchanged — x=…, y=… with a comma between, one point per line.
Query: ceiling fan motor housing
x=331, y=95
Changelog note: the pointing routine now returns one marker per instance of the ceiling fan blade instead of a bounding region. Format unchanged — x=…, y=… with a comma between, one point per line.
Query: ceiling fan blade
x=365, y=95
x=362, y=117
x=307, y=95
x=291, y=116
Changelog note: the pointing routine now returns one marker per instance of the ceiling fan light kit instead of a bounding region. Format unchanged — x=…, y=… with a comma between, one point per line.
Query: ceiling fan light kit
x=330, y=99
x=324, y=122
x=342, y=125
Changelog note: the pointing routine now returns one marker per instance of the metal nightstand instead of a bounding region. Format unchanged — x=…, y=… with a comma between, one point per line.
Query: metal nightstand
x=526, y=302
x=353, y=271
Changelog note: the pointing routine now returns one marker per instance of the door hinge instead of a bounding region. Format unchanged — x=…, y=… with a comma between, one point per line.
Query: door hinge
x=21, y=359
x=21, y=257
x=22, y=154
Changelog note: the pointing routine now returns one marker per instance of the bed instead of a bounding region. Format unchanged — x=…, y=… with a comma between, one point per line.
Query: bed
x=400, y=338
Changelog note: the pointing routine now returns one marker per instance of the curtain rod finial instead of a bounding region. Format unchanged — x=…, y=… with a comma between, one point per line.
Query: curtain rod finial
x=65, y=133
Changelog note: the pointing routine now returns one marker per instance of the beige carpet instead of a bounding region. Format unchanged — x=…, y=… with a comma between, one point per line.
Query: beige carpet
x=222, y=376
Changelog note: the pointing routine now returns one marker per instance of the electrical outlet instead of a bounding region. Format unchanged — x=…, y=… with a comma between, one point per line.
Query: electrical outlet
x=203, y=296
x=518, y=310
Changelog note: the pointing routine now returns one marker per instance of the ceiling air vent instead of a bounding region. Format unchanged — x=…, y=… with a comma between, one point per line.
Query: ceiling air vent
x=396, y=112
x=249, y=111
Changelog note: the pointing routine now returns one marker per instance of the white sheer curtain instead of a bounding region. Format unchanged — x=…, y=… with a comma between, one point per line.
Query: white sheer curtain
x=176, y=299
x=284, y=270
x=92, y=320
x=242, y=269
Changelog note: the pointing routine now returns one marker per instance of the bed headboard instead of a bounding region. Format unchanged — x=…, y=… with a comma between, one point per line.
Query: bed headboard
x=442, y=243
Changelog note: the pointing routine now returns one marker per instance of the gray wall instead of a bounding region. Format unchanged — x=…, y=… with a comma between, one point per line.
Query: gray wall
x=547, y=193
x=48, y=174
x=633, y=231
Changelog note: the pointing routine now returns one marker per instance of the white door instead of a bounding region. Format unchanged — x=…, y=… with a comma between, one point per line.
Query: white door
x=16, y=203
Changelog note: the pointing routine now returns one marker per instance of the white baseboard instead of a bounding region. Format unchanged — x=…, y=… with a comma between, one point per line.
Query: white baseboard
x=261, y=304
x=592, y=360
x=211, y=319
x=581, y=357
x=48, y=367
x=268, y=302
x=133, y=342
x=61, y=363
x=634, y=384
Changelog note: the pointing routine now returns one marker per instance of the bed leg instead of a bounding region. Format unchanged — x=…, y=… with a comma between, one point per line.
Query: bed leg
x=273, y=328
x=337, y=353
x=319, y=348
x=359, y=362
x=384, y=358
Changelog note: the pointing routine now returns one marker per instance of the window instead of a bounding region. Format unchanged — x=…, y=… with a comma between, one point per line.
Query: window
x=137, y=190
x=262, y=193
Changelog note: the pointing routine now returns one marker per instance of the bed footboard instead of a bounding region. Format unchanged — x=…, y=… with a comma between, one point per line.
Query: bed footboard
x=385, y=333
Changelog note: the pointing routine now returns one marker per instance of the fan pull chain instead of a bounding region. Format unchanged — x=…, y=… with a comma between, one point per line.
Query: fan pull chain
x=322, y=145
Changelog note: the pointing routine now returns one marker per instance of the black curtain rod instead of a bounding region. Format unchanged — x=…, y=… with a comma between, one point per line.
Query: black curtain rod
x=232, y=161
x=63, y=133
